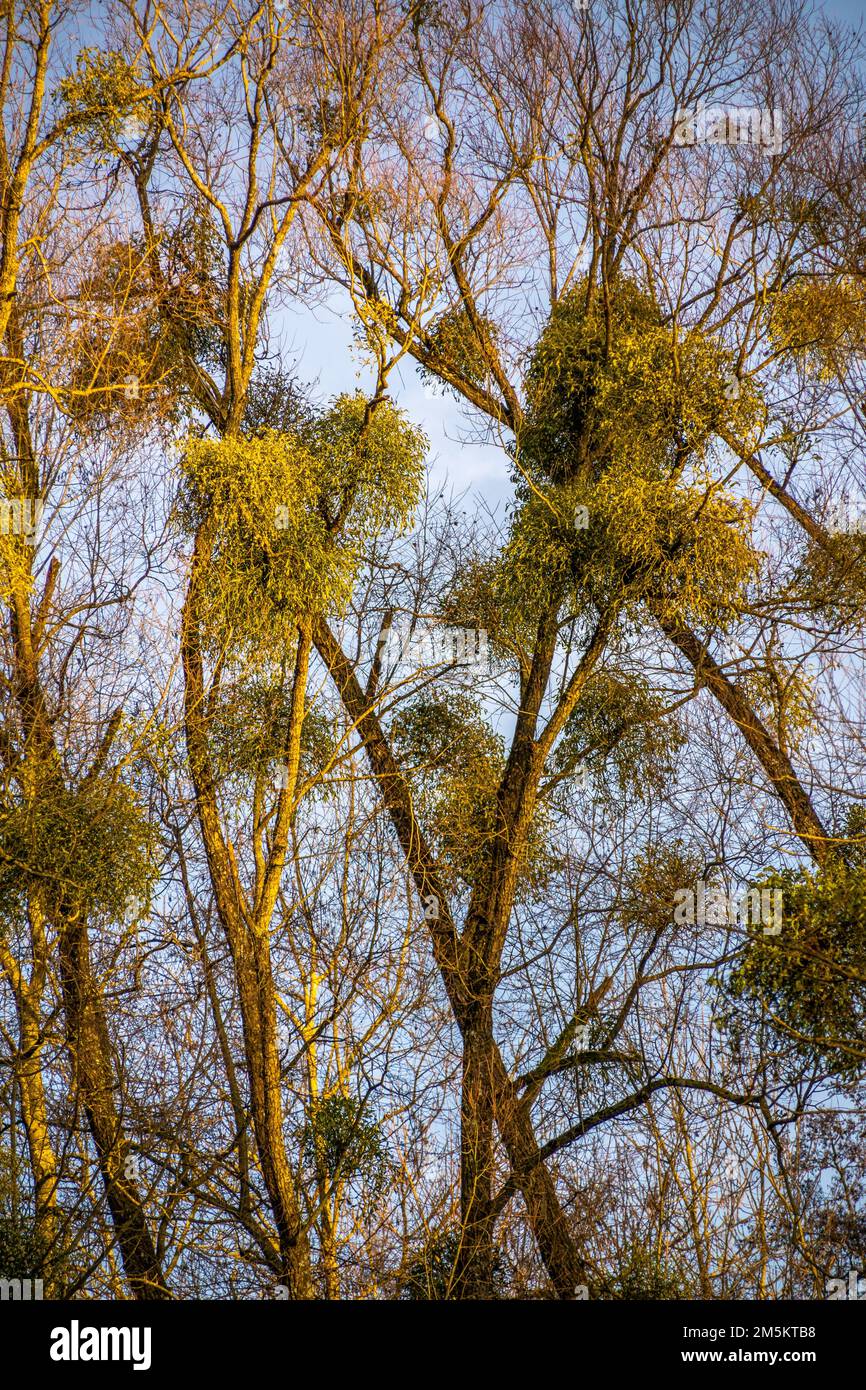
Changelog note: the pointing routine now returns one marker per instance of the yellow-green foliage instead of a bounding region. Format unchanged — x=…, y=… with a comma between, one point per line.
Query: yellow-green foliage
x=821, y=321
x=808, y=984
x=646, y=1274
x=621, y=728
x=16, y=558
x=247, y=733
x=102, y=94
x=128, y=357
x=616, y=502
x=118, y=361
x=293, y=513
x=684, y=545
x=340, y=1142
x=471, y=601
x=453, y=339
x=831, y=578
x=456, y=762
x=687, y=546
x=651, y=881
x=783, y=692
x=91, y=849
x=649, y=396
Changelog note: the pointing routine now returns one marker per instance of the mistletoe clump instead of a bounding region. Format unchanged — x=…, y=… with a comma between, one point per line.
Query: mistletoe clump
x=342, y=1143
x=453, y=338
x=614, y=383
x=617, y=505
x=89, y=849
x=456, y=762
x=290, y=515
x=808, y=984
x=105, y=103
x=820, y=322
x=621, y=729
x=682, y=545
x=249, y=725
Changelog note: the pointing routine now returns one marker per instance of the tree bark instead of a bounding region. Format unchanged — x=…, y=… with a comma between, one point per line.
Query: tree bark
x=774, y=761
x=90, y=1049
x=484, y=1068
x=246, y=930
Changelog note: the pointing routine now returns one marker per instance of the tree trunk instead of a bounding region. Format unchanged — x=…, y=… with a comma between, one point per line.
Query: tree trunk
x=90, y=1048
x=775, y=763
x=544, y=1210
x=251, y=955
x=43, y=1163
x=474, y=1274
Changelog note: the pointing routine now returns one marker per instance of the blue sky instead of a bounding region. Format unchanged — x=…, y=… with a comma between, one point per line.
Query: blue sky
x=851, y=10
x=320, y=343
